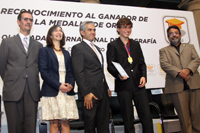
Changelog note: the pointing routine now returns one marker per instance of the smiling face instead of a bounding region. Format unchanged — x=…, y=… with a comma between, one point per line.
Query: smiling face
x=25, y=23
x=57, y=34
x=174, y=37
x=125, y=31
x=89, y=33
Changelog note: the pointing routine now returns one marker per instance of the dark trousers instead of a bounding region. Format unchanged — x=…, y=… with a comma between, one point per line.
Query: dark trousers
x=141, y=102
x=21, y=115
x=98, y=116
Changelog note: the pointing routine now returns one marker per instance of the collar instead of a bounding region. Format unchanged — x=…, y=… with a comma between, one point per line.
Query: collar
x=88, y=42
x=22, y=37
x=176, y=46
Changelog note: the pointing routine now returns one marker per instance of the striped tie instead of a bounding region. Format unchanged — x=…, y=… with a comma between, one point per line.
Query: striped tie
x=25, y=43
x=95, y=51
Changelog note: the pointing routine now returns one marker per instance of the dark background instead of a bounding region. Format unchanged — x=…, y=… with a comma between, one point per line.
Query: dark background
x=164, y=4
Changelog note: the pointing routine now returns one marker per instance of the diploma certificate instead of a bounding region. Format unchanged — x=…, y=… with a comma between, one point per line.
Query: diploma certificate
x=120, y=69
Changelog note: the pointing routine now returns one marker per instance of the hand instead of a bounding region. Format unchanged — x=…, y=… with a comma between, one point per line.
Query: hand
x=184, y=73
x=187, y=78
x=142, y=82
x=122, y=78
x=69, y=87
x=62, y=87
x=88, y=100
x=109, y=93
x=65, y=87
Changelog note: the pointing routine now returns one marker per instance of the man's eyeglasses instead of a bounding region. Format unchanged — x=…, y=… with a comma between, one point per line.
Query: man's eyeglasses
x=175, y=33
x=26, y=19
x=126, y=27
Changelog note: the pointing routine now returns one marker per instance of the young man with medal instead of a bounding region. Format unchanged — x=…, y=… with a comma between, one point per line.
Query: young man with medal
x=128, y=54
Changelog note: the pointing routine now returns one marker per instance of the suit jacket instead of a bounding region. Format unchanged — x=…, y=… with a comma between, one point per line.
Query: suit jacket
x=48, y=66
x=88, y=71
x=172, y=62
x=16, y=65
x=117, y=52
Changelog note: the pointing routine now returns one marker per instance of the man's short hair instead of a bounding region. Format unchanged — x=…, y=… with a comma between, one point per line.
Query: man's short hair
x=83, y=25
x=173, y=27
x=19, y=17
x=124, y=21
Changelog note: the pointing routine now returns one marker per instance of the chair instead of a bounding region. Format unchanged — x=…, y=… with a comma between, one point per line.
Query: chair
x=165, y=109
x=42, y=124
x=115, y=114
x=78, y=124
x=43, y=127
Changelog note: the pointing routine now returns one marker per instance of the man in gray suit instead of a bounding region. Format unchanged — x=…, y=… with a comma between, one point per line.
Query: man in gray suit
x=19, y=72
x=180, y=61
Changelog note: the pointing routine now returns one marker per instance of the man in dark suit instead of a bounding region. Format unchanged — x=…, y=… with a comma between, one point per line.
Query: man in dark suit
x=19, y=72
x=87, y=64
x=128, y=54
x=180, y=61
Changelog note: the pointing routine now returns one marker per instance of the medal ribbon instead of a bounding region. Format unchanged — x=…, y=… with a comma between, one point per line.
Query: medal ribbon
x=128, y=49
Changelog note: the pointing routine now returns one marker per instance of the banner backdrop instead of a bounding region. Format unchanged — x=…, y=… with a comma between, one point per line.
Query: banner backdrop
x=149, y=27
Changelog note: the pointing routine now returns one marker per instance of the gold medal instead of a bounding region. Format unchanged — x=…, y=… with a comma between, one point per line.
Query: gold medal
x=130, y=60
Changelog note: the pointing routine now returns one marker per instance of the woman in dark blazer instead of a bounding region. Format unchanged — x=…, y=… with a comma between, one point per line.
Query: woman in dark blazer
x=58, y=102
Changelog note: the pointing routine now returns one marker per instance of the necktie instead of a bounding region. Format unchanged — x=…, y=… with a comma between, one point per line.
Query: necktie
x=25, y=43
x=95, y=51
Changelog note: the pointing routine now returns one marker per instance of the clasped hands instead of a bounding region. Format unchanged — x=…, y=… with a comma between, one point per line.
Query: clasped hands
x=184, y=74
x=142, y=80
x=65, y=87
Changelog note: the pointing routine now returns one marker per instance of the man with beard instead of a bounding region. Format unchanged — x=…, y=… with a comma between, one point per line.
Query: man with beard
x=180, y=61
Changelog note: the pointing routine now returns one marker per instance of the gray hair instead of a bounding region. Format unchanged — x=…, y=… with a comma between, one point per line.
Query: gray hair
x=83, y=25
